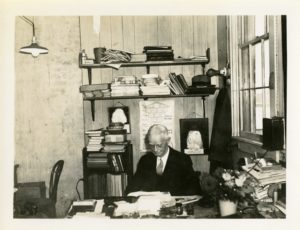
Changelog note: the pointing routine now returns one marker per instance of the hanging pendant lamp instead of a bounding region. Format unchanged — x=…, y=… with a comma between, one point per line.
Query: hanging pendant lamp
x=34, y=49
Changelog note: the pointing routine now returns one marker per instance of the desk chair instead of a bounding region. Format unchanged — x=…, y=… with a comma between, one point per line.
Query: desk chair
x=41, y=207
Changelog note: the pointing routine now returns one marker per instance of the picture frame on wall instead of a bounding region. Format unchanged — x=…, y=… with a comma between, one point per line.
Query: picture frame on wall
x=194, y=136
x=120, y=114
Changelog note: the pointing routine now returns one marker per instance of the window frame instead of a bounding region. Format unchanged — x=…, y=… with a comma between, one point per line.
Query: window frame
x=237, y=33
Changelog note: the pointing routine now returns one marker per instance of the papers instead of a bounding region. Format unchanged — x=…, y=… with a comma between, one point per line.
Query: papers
x=165, y=198
x=84, y=203
x=142, y=193
x=114, y=66
x=125, y=209
x=266, y=177
x=187, y=199
x=148, y=205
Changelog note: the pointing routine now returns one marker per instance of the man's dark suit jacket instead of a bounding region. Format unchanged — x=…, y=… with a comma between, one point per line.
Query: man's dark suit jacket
x=178, y=177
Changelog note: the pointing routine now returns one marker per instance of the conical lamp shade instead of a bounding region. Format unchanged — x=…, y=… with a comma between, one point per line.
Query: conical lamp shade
x=34, y=49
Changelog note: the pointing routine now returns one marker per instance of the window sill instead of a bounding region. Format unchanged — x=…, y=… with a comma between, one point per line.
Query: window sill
x=248, y=141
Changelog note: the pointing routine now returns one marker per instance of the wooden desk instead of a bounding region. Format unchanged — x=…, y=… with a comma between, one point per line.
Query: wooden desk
x=198, y=212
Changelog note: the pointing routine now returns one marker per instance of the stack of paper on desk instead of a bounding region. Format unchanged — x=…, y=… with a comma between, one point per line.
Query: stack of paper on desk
x=125, y=209
x=148, y=205
x=165, y=198
x=267, y=177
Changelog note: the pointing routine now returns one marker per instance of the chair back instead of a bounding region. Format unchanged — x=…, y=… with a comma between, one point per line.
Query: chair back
x=54, y=178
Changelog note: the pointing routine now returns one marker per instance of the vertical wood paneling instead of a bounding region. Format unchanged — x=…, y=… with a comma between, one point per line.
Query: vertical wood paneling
x=89, y=40
x=128, y=39
x=200, y=39
x=187, y=39
x=151, y=35
x=188, y=35
x=164, y=30
x=105, y=41
x=117, y=39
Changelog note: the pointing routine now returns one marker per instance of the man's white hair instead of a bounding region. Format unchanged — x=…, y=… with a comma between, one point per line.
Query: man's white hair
x=158, y=133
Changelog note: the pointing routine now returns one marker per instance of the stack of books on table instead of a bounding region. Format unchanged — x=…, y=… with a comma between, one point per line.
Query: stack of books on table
x=125, y=86
x=177, y=84
x=95, y=138
x=267, y=176
x=159, y=53
x=153, y=85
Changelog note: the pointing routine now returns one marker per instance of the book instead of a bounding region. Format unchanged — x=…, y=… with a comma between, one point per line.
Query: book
x=157, y=47
x=138, y=57
x=119, y=162
x=182, y=80
x=175, y=84
x=115, y=138
x=93, y=87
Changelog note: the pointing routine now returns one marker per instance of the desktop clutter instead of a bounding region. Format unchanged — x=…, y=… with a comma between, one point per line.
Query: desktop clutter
x=136, y=205
x=256, y=191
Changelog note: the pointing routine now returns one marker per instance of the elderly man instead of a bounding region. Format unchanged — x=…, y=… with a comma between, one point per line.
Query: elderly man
x=164, y=169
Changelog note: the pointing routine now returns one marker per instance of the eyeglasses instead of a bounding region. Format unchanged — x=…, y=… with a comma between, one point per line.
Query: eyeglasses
x=154, y=146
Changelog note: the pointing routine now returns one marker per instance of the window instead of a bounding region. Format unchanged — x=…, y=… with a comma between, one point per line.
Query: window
x=254, y=65
x=256, y=73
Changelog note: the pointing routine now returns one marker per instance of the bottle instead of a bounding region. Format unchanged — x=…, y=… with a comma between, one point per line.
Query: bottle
x=83, y=56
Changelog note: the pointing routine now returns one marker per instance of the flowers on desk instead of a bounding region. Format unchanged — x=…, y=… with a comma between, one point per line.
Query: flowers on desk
x=226, y=184
x=233, y=185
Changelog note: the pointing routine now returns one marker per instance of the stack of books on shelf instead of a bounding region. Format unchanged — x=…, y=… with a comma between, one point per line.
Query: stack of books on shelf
x=116, y=184
x=159, y=53
x=125, y=86
x=153, y=85
x=98, y=160
x=115, y=146
x=177, y=84
x=199, y=58
x=95, y=138
x=95, y=90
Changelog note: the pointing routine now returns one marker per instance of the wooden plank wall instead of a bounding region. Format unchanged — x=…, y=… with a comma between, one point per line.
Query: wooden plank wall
x=188, y=35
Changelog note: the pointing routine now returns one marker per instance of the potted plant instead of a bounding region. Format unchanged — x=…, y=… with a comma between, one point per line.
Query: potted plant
x=227, y=187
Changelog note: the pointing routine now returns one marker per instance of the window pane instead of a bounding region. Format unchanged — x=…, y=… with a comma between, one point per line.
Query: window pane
x=245, y=68
x=267, y=105
x=266, y=63
x=258, y=66
x=262, y=108
x=259, y=109
x=246, y=111
x=259, y=25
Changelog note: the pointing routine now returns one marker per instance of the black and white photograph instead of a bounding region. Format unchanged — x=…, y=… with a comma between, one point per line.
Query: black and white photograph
x=194, y=135
x=101, y=125
x=120, y=114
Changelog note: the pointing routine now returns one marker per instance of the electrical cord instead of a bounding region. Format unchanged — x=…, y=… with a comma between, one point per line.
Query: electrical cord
x=78, y=194
x=257, y=162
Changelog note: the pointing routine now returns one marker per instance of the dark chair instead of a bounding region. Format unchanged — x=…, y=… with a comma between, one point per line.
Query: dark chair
x=41, y=207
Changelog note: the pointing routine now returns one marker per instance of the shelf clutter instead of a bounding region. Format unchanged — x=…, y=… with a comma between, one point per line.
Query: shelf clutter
x=146, y=85
x=107, y=167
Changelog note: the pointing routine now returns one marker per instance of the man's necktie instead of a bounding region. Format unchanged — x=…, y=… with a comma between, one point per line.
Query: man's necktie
x=160, y=166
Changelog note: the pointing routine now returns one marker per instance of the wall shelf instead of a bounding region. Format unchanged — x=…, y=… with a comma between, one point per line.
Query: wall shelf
x=148, y=64
x=149, y=96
